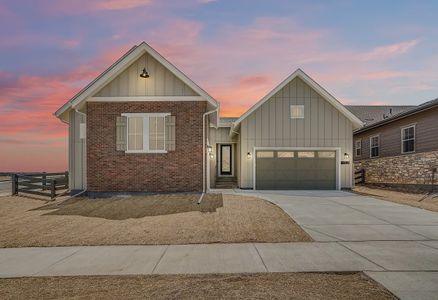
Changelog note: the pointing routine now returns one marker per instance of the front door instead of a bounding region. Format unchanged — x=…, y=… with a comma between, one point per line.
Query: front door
x=225, y=159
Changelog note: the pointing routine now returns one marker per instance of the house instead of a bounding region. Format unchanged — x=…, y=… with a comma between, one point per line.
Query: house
x=144, y=126
x=399, y=146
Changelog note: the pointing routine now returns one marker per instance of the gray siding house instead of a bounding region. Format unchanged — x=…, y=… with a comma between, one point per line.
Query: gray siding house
x=144, y=126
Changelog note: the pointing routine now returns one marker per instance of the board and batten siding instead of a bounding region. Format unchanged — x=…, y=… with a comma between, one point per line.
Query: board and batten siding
x=221, y=135
x=270, y=125
x=77, y=157
x=161, y=82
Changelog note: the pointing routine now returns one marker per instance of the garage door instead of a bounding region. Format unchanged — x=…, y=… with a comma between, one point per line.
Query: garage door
x=295, y=170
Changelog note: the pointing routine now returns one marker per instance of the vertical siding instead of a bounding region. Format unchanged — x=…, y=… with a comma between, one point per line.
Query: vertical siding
x=271, y=126
x=217, y=136
x=161, y=82
x=77, y=153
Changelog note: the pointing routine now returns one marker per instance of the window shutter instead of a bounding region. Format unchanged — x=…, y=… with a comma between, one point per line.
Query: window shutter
x=170, y=133
x=121, y=133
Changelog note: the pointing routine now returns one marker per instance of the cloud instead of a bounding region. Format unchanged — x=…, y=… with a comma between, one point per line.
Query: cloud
x=119, y=4
x=389, y=51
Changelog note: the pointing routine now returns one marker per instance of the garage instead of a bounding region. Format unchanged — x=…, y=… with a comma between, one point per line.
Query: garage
x=295, y=170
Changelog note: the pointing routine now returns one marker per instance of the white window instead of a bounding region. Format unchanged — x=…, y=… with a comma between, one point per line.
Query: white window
x=306, y=154
x=297, y=111
x=374, y=146
x=358, y=148
x=408, y=139
x=265, y=154
x=146, y=132
x=326, y=154
x=285, y=154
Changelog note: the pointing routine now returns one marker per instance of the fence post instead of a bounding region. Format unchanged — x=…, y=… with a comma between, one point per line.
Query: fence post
x=44, y=183
x=66, y=179
x=14, y=180
x=53, y=189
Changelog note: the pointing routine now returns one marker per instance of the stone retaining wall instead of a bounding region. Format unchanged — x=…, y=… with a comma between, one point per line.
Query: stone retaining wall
x=403, y=169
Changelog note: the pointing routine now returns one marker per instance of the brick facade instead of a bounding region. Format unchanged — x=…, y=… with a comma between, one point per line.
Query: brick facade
x=116, y=171
x=415, y=169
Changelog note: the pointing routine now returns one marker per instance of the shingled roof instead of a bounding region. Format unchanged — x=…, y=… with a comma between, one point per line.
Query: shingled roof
x=370, y=114
x=408, y=111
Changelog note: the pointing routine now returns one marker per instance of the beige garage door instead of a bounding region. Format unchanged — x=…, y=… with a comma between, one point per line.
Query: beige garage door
x=295, y=170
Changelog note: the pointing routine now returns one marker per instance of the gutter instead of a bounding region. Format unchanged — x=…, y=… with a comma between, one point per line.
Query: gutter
x=204, y=179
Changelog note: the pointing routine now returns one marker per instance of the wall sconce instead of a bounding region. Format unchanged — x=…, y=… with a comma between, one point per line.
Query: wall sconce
x=209, y=148
x=248, y=155
x=211, y=155
x=144, y=74
x=346, y=156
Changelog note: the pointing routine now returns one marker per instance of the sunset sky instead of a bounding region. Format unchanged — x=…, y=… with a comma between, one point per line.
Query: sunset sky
x=363, y=52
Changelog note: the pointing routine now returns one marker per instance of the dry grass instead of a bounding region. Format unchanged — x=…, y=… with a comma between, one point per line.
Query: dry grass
x=148, y=220
x=224, y=286
x=417, y=200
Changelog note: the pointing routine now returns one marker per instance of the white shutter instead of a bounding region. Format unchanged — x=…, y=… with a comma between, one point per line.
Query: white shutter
x=121, y=133
x=170, y=133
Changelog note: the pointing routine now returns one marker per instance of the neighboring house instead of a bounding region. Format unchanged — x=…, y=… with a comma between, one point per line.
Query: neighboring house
x=144, y=126
x=400, y=147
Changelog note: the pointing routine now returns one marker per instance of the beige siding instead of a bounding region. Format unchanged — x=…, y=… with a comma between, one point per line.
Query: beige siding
x=161, y=82
x=77, y=158
x=271, y=126
x=220, y=136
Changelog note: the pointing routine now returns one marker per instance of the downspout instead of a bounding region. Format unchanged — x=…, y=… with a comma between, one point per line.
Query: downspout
x=204, y=116
x=84, y=190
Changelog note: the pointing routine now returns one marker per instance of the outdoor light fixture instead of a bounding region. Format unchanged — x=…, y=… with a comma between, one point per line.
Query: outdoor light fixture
x=211, y=155
x=346, y=156
x=209, y=148
x=144, y=74
x=249, y=155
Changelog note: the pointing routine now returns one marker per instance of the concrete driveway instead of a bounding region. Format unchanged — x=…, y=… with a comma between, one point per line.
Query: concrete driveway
x=401, y=239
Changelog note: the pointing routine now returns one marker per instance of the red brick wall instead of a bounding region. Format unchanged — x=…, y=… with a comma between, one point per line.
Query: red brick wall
x=109, y=170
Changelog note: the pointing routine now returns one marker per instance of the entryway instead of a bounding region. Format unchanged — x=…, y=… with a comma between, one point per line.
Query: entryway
x=225, y=178
x=225, y=159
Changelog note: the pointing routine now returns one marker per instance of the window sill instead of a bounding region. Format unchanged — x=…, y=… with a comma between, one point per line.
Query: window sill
x=146, y=152
x=410, y=152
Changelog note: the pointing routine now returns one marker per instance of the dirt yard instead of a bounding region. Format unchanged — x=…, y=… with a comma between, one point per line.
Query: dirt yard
x=424, y=201
x=224, y=286
x=148, y=220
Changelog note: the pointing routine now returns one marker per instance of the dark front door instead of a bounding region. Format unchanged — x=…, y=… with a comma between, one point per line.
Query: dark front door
x=225, y=159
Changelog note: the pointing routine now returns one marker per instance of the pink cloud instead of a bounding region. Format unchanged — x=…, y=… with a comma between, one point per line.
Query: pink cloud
x=119, y=4
x=390, y=50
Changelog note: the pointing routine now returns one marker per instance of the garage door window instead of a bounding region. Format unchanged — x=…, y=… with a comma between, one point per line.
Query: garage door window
x=306, y=154
x=326, y=154
x=265, y=154
x=285, y=154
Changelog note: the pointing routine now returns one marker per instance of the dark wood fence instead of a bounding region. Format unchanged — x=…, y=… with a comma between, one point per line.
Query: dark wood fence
x=42, y=184
x=359, y=176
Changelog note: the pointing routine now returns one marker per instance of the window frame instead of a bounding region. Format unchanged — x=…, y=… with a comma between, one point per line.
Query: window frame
x=146, y=135
x=378, y=145
x=290, y=111
x=360, y=148
x=402, y=140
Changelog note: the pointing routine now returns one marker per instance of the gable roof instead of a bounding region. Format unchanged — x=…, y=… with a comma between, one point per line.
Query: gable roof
x=409, y=112
x=370, y=114
x=121, y=64
x=313, y=84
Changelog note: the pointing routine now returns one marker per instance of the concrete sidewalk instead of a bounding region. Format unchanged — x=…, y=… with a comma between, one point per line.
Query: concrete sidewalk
x=408, y=269
x=220, y=258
